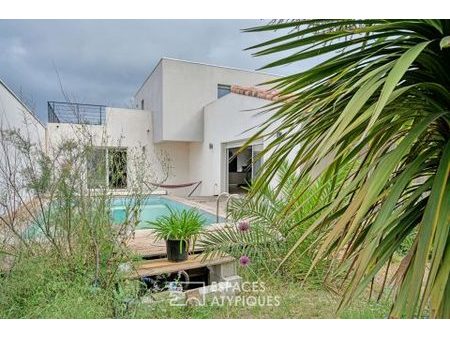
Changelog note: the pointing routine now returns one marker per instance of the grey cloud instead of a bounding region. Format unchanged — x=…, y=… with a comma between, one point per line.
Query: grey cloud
x=105, y=61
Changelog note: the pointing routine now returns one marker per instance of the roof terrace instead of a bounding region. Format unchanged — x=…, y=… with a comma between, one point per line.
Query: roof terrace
x=77, y=113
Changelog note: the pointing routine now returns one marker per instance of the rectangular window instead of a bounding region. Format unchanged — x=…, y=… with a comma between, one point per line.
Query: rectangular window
x=142, y=104
x=107, y=167
x=117, y=173
x=96, y=168
x=223, y=90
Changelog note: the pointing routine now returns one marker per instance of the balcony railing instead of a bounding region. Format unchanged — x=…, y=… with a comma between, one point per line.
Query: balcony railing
x=78, y=113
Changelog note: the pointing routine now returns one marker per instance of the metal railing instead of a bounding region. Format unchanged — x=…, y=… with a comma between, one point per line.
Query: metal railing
x=229, y=197
x=78, y=113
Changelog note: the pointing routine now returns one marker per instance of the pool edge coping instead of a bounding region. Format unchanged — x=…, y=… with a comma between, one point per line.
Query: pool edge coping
x=187, y=202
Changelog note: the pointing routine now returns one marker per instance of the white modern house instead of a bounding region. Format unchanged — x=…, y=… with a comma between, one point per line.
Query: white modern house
x=198, y=115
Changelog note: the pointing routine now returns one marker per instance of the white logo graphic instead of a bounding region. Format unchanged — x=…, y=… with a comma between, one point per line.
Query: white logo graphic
x=193, y=297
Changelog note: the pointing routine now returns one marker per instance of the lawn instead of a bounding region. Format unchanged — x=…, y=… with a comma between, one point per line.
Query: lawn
x=295, y=302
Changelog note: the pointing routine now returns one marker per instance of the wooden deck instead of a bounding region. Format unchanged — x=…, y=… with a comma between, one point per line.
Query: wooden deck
x=162, y=265
x=144, y=243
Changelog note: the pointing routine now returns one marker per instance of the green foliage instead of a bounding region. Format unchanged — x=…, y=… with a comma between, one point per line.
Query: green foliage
x=381, y=98
x=60, y=252
x=42, y=287
x=407, y=244
x=272, y=233
x=295, y=301
x=178, y=225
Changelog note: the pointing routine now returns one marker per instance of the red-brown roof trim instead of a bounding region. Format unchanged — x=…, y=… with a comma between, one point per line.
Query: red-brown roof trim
x=271, y=95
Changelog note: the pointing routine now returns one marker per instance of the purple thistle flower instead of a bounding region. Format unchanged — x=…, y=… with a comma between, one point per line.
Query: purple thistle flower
x=244, y=260
x=243, y=226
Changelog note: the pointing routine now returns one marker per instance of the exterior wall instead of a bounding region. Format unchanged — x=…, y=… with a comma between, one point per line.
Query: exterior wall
x=14, y=114
x=226, y=122
x=151, y=92
x=178, y=154
x=132, y=129
x=182, y=117
x=124, y=128
x=186, y=88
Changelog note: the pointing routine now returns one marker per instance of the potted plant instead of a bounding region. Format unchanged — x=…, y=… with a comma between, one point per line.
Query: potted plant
x=179, y=229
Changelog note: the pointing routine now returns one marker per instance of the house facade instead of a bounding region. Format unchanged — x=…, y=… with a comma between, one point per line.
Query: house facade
x=191, y=116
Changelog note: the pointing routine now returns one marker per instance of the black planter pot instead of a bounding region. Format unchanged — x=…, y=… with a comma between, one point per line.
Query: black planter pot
x=177, y=250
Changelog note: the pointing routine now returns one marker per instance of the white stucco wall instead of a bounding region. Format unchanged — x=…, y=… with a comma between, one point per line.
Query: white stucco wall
x=151, y=92
x=178, y=153
x=226, y=122
x=186, y=88
x=130, y=129
x=125, y=128
x=14, y=114
x=182, y=117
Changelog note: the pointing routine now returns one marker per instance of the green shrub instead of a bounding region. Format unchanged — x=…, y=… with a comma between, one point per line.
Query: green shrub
x=277, y=219
x=178, y=225
x=60, y=251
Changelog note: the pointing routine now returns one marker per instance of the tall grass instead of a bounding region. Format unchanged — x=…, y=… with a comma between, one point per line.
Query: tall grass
x=60, y=252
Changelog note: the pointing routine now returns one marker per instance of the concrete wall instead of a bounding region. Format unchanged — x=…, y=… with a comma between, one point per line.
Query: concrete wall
x=186, y=88
x=14, y=114
x=182, y=117
x=226, y=123
x=132, y=129
x=178, y=153
x=151, y=92
x=123, y=128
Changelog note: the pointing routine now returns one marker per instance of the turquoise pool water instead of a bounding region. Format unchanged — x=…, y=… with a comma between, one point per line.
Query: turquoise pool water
x=152, y=208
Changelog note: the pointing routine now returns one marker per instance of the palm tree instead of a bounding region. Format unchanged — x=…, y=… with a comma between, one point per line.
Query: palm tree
x=380, y=102
x=267, y=237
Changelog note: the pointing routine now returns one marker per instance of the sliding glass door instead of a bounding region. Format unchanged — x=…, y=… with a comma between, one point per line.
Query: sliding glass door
x=256, y=160
x=242, y=166
x=107, y=167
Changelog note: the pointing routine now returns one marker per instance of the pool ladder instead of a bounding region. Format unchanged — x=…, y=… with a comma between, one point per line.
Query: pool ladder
x=229, y=197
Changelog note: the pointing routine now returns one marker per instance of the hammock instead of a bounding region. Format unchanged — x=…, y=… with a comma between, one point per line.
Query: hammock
x=175, y=186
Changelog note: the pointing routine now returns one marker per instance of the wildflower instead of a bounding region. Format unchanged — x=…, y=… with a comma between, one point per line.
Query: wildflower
x=243, y=226
x=244, y=261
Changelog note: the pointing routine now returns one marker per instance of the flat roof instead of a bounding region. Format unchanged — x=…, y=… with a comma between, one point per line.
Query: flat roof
x=201, y=64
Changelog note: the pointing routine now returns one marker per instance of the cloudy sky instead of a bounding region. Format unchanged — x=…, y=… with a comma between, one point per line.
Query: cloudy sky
x=105, y=61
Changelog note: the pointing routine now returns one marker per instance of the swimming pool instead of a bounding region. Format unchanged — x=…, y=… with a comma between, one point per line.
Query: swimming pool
x=153, y=207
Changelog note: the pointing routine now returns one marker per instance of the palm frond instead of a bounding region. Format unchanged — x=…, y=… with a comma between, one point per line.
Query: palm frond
x=379, y=104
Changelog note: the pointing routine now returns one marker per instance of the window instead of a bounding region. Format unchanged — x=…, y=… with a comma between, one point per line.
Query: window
x=223, y=90
x=96, y=168
x=117, y=164
x=142, y=104
x=107, y=167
